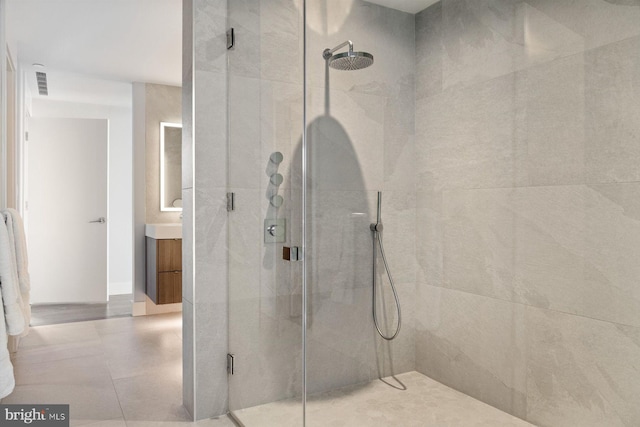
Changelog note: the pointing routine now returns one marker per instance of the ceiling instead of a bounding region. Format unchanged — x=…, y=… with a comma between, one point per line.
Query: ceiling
x=87, y=46
x=98, y=41
x=410, y=6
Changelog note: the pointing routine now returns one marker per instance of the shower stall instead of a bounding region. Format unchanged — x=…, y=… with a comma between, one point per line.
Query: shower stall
x=500, y=142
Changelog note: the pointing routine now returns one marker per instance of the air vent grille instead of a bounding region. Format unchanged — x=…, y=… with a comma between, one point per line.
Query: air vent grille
x=41, y=78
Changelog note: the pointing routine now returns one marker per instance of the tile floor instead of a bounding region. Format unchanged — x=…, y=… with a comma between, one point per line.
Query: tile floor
x=51, y=314
x=127, y=372
x=118, y=372
x=424, y=403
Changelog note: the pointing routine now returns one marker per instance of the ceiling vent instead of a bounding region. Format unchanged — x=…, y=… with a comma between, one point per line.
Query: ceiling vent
x=41, y=78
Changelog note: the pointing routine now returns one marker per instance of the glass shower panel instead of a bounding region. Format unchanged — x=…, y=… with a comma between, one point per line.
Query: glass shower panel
x=359, y=138
x=264, y=154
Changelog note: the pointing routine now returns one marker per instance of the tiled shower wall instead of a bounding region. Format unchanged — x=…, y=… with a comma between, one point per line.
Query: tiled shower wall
x=360, y=126
x=528, y=205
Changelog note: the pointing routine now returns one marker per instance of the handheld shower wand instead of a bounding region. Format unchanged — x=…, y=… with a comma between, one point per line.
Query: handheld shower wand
x=376, y=228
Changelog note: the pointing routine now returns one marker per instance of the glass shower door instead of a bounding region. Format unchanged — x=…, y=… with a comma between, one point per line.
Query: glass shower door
x=264, y=162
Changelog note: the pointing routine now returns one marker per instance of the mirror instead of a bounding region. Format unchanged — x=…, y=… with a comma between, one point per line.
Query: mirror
x=170, y=166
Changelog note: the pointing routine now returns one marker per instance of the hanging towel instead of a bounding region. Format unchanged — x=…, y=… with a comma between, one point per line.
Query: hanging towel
x=15, y=228
x=7, y=380
x=9, y=285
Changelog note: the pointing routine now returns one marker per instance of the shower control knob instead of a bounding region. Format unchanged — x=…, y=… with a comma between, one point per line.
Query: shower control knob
x=272, y=229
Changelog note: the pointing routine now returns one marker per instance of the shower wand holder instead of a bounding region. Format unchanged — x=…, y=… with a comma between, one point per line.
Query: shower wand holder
x=376, y=227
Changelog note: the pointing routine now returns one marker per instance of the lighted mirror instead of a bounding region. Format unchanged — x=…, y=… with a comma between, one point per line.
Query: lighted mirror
x=170, y=166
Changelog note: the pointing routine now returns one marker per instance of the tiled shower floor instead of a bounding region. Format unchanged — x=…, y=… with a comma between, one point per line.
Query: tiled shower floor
x=424, y=403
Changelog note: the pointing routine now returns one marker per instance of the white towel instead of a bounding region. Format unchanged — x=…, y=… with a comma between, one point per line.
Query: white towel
x=9, y=285
x=15, y=228
x=7, y=380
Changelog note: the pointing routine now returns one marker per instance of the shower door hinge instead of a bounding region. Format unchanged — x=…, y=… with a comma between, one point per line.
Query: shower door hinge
x=230, y=367
x=231, y=39
x=231, y=201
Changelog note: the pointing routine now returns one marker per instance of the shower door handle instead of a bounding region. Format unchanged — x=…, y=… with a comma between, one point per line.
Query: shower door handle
x=292, y=253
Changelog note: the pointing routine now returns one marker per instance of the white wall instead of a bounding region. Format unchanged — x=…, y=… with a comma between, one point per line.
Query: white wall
x=120, y=181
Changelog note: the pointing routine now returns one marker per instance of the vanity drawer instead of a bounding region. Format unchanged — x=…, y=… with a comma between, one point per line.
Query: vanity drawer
x=169, y=287
x=169, y=255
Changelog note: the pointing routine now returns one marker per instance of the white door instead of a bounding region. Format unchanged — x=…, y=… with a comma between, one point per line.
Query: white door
x=67, y=197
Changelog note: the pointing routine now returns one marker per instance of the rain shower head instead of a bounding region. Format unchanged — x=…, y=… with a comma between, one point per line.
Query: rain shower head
x=347, y=61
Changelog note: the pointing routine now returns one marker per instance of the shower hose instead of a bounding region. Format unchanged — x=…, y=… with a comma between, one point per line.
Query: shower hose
x=377, y=241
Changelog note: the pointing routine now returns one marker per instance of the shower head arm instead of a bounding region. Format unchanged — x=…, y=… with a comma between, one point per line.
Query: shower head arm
x=329, y=52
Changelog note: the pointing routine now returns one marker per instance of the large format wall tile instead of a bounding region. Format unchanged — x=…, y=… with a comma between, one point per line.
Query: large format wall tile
x=465, y=137
x=597, y=22
x=490, y=38
x=567, y=248
x=575, y=250
x=473, y=344
x=550, y=129
x=581, y=371
x=612, y=86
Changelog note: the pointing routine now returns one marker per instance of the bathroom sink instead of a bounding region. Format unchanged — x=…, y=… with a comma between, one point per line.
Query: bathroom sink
x=163, y=231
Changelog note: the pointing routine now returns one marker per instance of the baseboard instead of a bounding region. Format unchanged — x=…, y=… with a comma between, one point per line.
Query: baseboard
x=139, y=308
x=152, y=308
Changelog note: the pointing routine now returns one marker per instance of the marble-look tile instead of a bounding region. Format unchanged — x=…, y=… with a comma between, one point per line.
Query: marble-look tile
x=211, y=348
x=130, y=355
x=117, y=422
x=281, y=46
x=597, y=22
x=209, y=35
x=429, y=51
x=210, y=248
x=53, y=352
x=409, y=399
x=244, y=17
x=339, y=253
x=210, y=130
x=267, y=351
x=399, y=234
x=89, y=370
x=612, y=104
x=60, y=334
x=246, y=237
x=487, y=39
x=429, y=238
x=479, y=241
x=465, y=137
x=188, y=240
x=473, y=344
x=187, y=131
x=188, y=364
x=581, y=371
x=346, y=143
x=399, y=137
x=550, y=135
x=245, y=161
x=580, y=241
x=152, y=397
x=542, y=246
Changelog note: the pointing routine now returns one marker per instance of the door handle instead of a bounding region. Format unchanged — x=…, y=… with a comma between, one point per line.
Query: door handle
x=100, y=220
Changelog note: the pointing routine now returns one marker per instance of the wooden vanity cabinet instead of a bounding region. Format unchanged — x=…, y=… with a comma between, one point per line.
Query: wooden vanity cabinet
x=164, y=270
